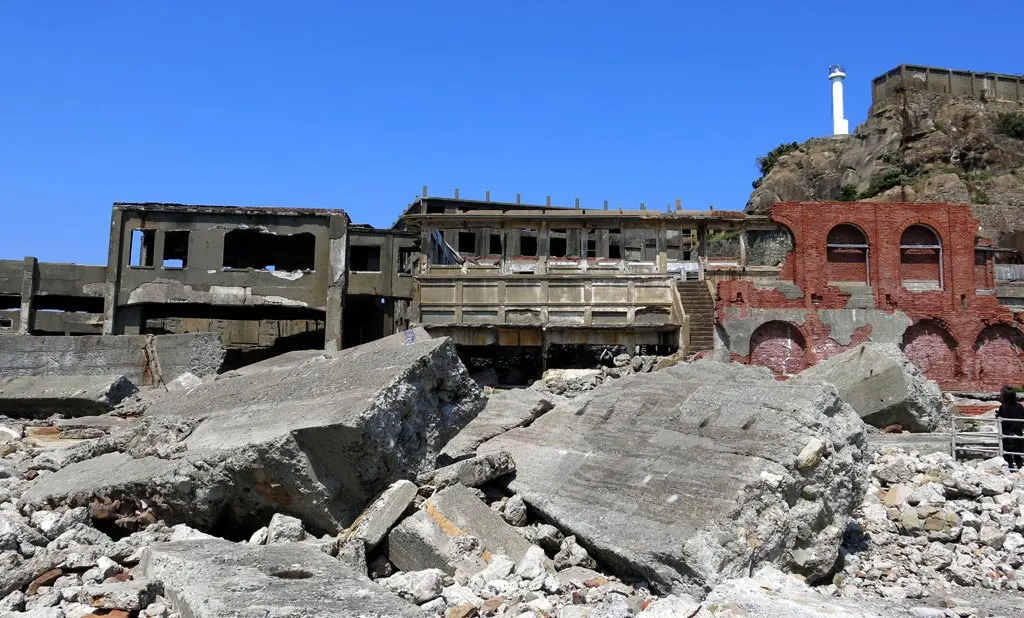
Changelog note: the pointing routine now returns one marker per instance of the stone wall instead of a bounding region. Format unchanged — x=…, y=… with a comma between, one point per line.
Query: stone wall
x=144, y=359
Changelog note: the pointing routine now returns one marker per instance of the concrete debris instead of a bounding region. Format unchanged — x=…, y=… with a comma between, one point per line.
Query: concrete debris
x=474, y=472
x=283, y=528
x=39, y=397
x=624, y=468
x=453, y=530
x=883, y=386
x=504, y=411
x=317, y=440
x=219, y=579
x=377, y=520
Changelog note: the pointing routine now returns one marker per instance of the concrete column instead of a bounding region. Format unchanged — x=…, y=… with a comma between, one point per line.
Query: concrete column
x=743, y=248
x=115, y=262
x=29, y=286
x=337, y=280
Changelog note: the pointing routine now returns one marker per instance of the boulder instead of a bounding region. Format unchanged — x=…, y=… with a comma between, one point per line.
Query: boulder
x=377, y=520
x=883, y=386
x=316, y=440
x=453, y=529
x=505, y=410
x=219, y=579
x=693, y=474
x=43, y=396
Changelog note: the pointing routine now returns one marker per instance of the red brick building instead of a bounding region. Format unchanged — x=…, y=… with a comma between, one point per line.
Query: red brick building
x=912, y=274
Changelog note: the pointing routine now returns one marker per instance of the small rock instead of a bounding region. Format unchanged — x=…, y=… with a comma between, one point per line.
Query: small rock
x=532, y=564
x=515, y=511
x=284, y=529
x=571, y=554
x=416, y=586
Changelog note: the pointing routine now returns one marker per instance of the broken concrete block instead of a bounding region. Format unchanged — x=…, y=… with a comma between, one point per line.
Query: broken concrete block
x=285, y=529
x=474, y=472
x=666, y=474
x=317, y=441
x=377, y=520
x=130, y=596
x=436, y=536
x=416, y=586
x=220, y=579
x=44, y=396
x=505, y=410
x=883, y=386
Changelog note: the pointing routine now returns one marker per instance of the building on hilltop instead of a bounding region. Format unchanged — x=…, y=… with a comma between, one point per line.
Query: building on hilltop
x=993, y=86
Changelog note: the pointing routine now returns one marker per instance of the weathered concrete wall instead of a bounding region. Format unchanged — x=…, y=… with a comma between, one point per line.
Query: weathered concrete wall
x=145, y=360
x=947, y=81
x=956, y=332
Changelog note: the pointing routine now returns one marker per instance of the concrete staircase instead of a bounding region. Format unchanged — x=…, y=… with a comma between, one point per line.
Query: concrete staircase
x=700, y=306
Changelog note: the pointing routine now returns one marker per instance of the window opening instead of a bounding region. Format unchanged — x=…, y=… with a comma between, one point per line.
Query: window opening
x=262, y=250
x=364, y=258
x=559, y=245
x=528, y=243
x=141, y=249
x=614, y=244
x=848, y=257
x=494, y=244
x=467, y=243
x=175, y=249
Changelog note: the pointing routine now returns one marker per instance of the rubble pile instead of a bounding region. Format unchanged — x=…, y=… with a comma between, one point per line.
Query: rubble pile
x=929, y=525
x=379, y=482
x=576, y=382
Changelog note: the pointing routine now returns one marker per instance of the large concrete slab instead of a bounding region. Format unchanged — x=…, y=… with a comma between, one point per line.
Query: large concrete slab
x=693, y=474
x=505, y=410
x=883, y=386
x=317, y=440
x=219, y=579
x=44, y=396
x=434, y=537
x=144, y=359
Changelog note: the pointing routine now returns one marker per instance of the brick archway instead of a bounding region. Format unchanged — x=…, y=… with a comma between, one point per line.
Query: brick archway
x=933, y=349
x=999, y=354
x=779, y=346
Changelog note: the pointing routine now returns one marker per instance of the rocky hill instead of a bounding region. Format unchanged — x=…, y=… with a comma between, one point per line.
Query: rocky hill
x=915, y=147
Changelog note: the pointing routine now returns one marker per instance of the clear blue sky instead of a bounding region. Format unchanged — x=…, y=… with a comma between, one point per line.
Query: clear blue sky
x=356, y=105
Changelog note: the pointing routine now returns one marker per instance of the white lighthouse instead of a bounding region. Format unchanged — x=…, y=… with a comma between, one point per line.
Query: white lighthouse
x=836, y=75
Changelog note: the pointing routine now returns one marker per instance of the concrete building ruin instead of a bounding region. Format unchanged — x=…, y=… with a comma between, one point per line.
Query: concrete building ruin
x=521, y=288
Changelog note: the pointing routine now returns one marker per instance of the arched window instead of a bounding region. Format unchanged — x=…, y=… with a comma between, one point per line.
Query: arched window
x=921, y=258
x=779, y=346
x=848, y=255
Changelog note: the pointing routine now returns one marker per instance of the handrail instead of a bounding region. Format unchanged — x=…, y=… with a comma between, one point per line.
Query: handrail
x=981, y=445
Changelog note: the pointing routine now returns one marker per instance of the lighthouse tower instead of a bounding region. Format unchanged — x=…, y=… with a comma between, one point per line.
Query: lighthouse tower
x=836, y=75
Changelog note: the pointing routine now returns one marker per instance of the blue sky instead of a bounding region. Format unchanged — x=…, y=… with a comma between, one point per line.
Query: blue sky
x=357, y=105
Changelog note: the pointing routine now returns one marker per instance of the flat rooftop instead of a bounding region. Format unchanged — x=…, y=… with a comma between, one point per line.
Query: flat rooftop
x=189, y=209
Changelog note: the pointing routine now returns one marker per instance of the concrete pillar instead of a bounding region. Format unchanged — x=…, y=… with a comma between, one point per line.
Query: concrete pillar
x=743, y=248
x=29, y=286
x=337, y=280
x=115, y=262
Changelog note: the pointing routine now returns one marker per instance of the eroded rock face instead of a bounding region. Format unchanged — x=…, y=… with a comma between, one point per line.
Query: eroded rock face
x=883, y=386
x=317, y=440
x=947, y=147
x=692, y=474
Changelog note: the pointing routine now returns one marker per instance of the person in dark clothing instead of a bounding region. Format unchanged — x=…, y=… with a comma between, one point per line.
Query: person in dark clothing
x=1012, y=413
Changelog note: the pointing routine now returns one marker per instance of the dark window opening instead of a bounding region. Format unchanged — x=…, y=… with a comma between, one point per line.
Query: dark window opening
x=10, y=301
x=558, y=243
x=408, y=260
x=467, y=242
x=364, y=259
x=175, y=249
x=6, y=323
x=141, y=248
x=590, y=243
x=528, y=243
x=494, y=246
x=614, y=244
x=246, y=248
x=69, y=304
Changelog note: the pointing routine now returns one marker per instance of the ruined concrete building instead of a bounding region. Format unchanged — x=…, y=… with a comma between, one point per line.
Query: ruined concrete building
x=523, y=287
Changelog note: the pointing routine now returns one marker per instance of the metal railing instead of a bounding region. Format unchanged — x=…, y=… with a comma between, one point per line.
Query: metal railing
x=986, y=440
x=1010, y=273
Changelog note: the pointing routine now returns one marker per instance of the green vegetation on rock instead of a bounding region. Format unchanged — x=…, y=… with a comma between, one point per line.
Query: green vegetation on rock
x=1011, y=123
x=768, y=161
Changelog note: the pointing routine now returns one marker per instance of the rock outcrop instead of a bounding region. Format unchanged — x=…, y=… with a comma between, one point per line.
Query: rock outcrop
x=696, y=473
x=919, y=147
x=883, y=386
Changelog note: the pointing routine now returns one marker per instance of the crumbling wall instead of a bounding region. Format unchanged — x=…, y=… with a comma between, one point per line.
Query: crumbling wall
x=957, y=334
x=143, y=359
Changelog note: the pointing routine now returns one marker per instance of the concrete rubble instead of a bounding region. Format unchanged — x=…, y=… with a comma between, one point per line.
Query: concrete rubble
x=883, y=386
x=701, y=490
x=625, y=469
x=43, y=396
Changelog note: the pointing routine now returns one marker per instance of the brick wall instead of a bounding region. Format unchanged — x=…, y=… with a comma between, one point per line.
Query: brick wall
x=947, y=339
x=780, y=347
